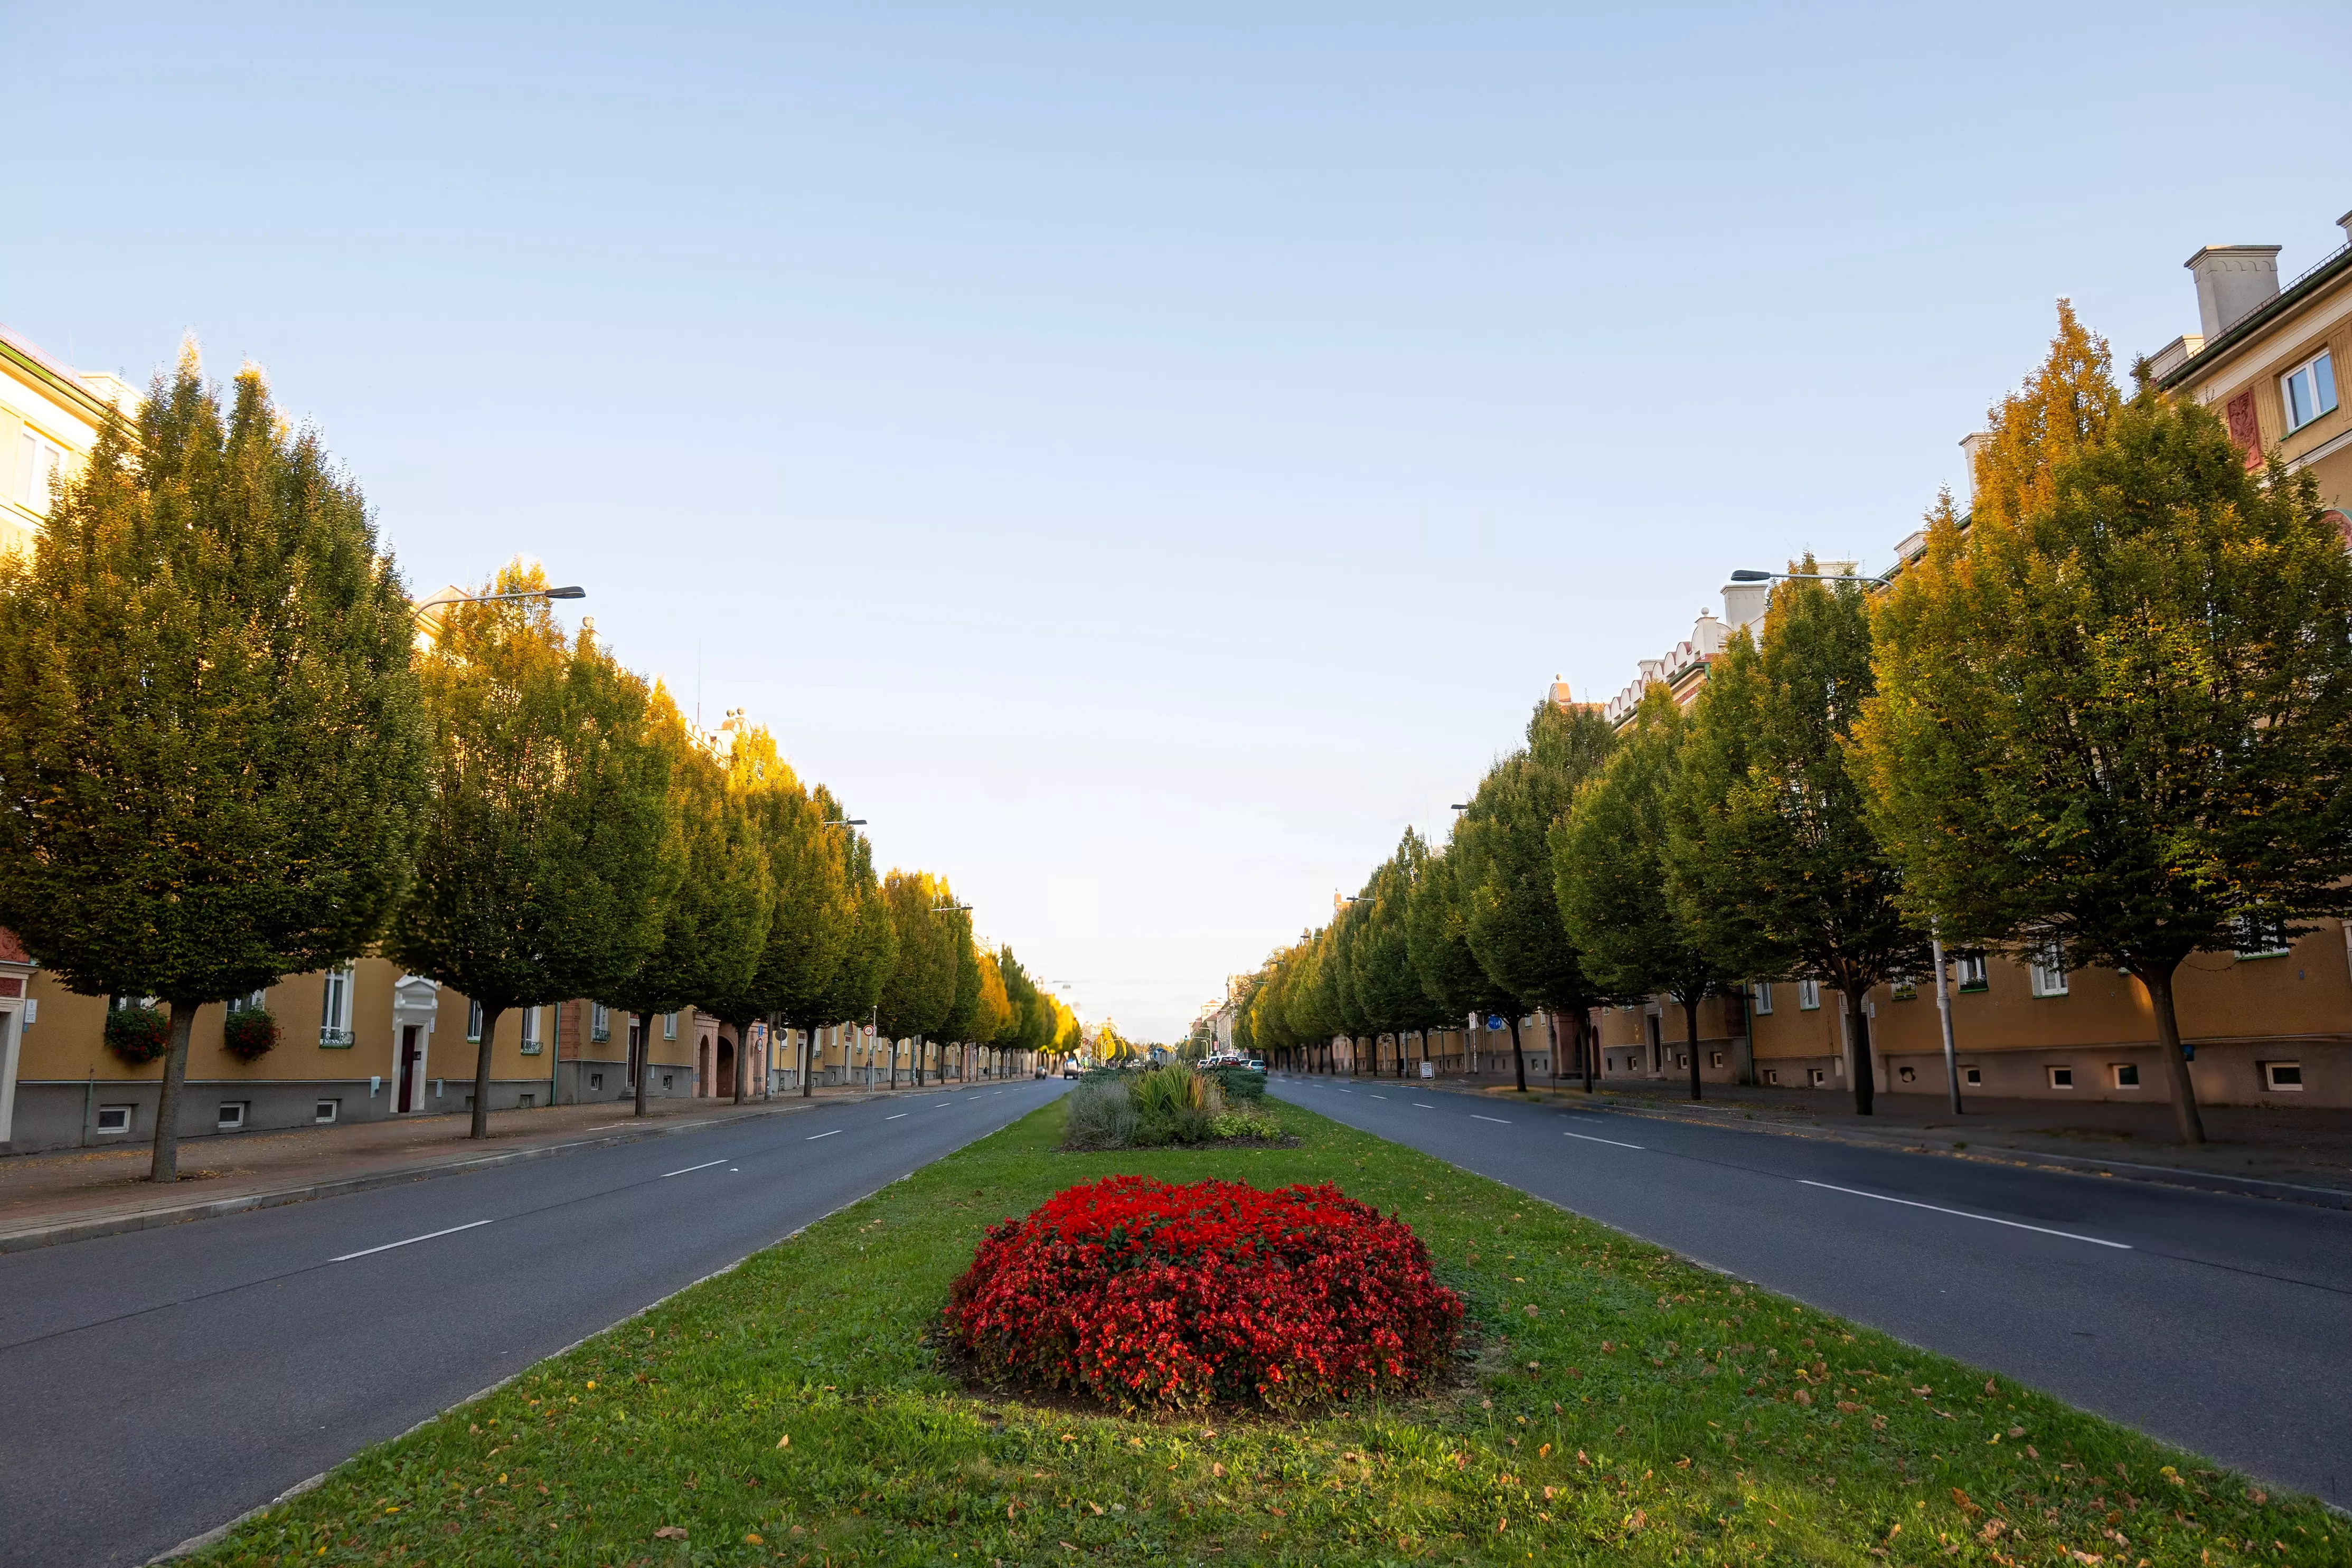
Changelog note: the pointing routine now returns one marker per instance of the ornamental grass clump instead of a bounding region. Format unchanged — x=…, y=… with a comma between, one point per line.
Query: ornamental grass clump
x=1151, y=1296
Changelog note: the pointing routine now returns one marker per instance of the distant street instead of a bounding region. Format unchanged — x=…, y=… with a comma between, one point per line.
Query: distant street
x=2213, y=1322
x=160, y=1383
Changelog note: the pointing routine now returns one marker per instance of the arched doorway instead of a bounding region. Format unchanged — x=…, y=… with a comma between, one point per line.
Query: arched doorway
x=704, y=1085
x=723, y=1078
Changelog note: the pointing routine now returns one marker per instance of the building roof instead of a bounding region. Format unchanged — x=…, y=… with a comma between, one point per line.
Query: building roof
x=2224, y=345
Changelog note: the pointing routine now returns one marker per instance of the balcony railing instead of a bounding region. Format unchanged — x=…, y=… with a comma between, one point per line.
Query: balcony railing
x=333, y=1038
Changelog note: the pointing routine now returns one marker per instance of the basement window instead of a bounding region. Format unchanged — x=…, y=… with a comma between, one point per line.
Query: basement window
x=1715, y=1059
x=2062, y=1077
x=2285, y=1077
x=1905, y=1074
x=1817, y=1077
x=2127, y=1074
x=2309, y=391
x=1973, y=1076
x=232, y=1116
x=1772, y=1075
x=113, y=1120
x=327, y=1111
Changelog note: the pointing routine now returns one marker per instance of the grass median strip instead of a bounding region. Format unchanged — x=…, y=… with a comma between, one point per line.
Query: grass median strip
x=1615, y=1405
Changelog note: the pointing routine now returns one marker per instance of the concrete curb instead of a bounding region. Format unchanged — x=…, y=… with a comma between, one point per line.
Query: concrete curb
x=2079, y=1165
x=30, y=1237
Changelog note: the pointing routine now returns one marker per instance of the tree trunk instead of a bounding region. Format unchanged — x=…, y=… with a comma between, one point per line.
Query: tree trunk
x=481, y=1128
x=644, y=1053
x=743, y=1059
x=2185, y=1119
x=166, y=1163
x=1865, y=1077
x=1588, y=1046
x=1519, y=1059
x=918, y=1063
x=1690, y=1037
x=808, y=1062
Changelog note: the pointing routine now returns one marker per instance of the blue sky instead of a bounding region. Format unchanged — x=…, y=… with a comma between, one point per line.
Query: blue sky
x=1143, y=458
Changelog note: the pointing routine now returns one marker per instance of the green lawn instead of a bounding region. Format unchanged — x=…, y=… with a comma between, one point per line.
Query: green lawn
x=1624, y=1406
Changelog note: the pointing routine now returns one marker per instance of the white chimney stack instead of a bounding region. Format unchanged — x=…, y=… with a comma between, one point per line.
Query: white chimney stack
x=2232, y=280
x=1971, y=448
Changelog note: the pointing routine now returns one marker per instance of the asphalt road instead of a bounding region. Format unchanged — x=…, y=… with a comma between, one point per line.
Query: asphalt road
x=2217, y=1322
x=156, y=1384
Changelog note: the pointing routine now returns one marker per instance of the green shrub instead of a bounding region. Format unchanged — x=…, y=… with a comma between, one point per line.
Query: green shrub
x=1100, y=1116
x=1240, y=1083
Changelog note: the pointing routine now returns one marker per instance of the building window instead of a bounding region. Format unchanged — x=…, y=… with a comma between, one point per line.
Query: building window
x=1905, y=1074
x=2260, y=937
x=2048, y=970
x=595, y=1081
x=665, y=1081
x=2127, y=1074
x=251, y=1002
x=600, y=1021
x=40, y=465
x=527, y=1102
x=1970, y=973
x=2284, y=1076
x=335, y=1008
x=669, y=1026
x=327, y=1111
x=1808, y=995
x=1816, y=1077
x=530, y=1031
x=1903, y=988
x=232, y=1116
x=1973, y=1076
x=1762, y=991
x=2309, y=391
x=1715, y=1059
x=113, y=1120
x=474, y=1022
x=2062, y=1077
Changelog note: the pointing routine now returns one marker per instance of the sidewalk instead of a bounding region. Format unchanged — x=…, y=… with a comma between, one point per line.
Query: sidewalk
x=71, y=1194
x=2304, y=1156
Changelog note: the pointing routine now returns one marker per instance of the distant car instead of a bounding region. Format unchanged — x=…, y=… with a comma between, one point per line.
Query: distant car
x=1070, y=1071
x=1256, y=1066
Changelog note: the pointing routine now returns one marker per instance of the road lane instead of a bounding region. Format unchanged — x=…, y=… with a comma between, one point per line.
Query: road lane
x=2211, y=1321
x=160, y=1383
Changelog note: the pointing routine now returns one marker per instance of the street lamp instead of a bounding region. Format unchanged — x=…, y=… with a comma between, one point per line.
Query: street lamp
x=570, y=592
x=1750, y=574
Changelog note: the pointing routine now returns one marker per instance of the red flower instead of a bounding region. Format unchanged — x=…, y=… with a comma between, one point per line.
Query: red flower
x=1144, y=1293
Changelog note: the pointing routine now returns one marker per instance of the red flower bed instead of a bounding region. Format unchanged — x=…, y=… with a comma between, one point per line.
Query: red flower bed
x=1146, y=1294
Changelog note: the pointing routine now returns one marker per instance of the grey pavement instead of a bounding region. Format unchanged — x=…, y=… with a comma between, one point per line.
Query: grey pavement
x=2211, y=1321
x=159, y=1383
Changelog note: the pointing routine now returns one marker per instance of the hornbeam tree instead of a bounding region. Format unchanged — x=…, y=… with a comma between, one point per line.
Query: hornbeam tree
x=2114, y=715
x=212, y=754
x=921, y=985
x=548, y=848
x=1509, y=904
x=1777, y=860
x=1436, y=940
x=716, y=920
x=1612, y=873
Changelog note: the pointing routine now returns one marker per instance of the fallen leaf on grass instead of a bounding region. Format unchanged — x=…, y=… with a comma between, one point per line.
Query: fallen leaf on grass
x=1217, y=1471
x=786, y=1441
x=670, y=1532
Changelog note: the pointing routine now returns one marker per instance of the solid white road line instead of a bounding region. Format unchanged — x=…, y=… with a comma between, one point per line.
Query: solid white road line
x=895, y=1118
x=1424, y=1104
x=388, y=1246
x=703, y=1166
x=1504, y=1119
x=812, y=1137
x=1590, y=1139
x=1964, y=1213
x=1379, y=1096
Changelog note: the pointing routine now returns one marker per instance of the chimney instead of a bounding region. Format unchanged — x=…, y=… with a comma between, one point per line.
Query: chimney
x=1971, y=448
x=2232, y=280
